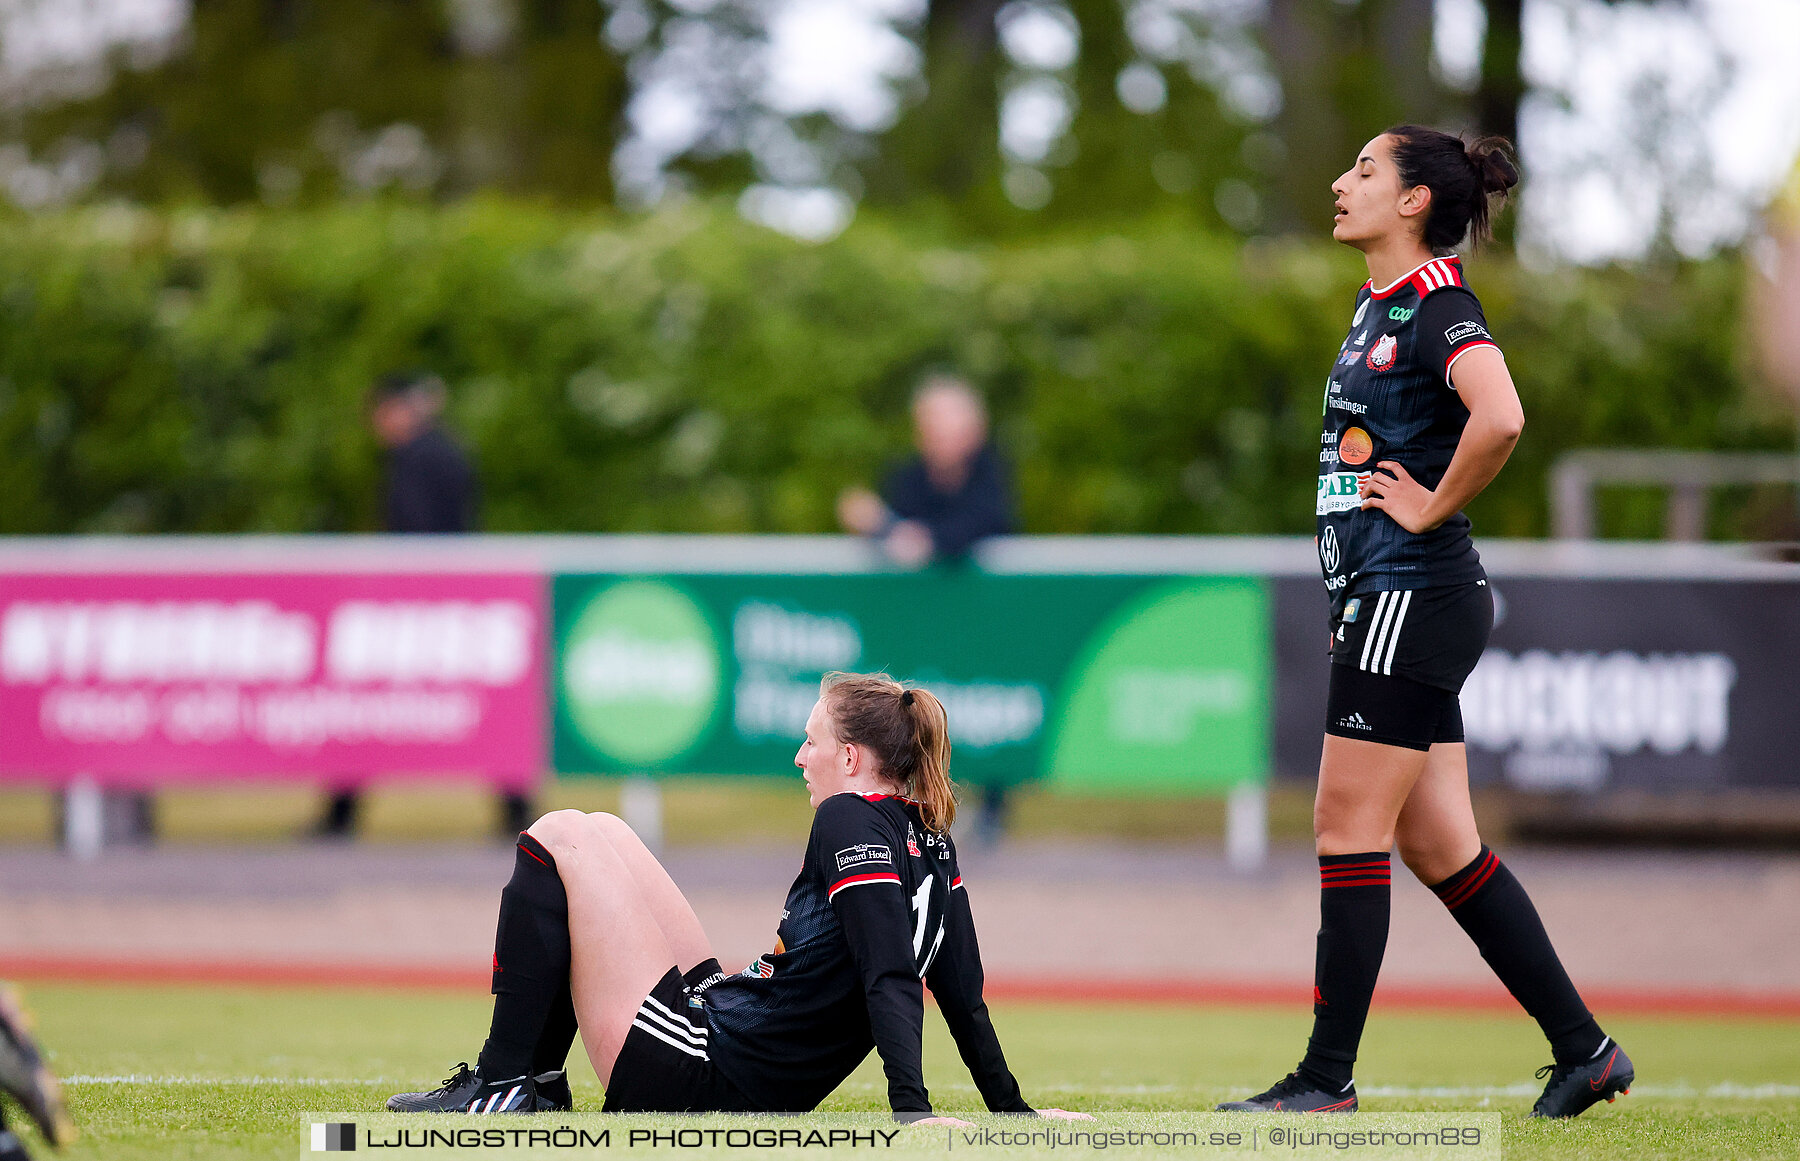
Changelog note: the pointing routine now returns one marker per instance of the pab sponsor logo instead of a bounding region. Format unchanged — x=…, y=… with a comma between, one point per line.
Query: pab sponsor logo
x=1337, y=493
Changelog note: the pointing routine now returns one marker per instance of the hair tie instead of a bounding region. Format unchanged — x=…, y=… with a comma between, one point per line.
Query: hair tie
x=906, y=698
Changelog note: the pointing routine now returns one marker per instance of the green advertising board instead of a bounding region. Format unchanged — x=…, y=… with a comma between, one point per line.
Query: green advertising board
x=1098, y=683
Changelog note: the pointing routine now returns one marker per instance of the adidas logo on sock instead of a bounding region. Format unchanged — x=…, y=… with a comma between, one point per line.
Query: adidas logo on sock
x=1354, y=722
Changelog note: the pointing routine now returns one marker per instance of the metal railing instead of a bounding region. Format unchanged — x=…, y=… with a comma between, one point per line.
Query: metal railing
x=1688, y=475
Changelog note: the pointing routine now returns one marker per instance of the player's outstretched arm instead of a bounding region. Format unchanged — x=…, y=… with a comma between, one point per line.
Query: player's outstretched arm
x=956, y=981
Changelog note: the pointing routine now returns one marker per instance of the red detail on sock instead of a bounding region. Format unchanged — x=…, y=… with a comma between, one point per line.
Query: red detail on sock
x=1367, y=873
x=1461, y=893
x=1318, y=996
x=539, y=861
x=496, y=961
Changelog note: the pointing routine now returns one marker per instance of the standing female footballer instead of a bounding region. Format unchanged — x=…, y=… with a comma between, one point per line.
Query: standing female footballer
x=594, y=934
x=1420, y=414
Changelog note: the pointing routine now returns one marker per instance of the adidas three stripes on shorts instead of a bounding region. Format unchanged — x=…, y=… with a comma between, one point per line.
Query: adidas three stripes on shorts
x=1399, y=659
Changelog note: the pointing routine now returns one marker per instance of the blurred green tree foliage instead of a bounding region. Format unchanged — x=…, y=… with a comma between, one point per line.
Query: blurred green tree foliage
x=687, y=371
x=301, y=100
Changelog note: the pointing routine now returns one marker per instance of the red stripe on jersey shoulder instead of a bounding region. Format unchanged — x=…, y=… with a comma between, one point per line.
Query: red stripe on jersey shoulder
x=1425, y=278
x=1437, y=274
x=1463, y=350
x=859, y=880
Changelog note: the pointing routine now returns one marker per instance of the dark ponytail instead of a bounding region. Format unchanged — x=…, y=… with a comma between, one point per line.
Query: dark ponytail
x=907, y=731
x=1464, y=180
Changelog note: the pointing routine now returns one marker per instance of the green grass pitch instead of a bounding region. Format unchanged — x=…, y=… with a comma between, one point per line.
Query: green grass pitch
x=178, y=1072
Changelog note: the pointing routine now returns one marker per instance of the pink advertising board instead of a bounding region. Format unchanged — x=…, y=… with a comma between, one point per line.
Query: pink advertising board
x=140, y=679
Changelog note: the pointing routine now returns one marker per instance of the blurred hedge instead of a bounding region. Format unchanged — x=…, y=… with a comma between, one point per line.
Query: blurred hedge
x=690, y=372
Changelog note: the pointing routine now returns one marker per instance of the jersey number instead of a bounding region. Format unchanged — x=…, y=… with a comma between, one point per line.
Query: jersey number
x=921, y=905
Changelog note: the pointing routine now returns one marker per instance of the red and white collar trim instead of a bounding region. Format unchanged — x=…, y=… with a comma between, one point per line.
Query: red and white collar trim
x=1434, y=274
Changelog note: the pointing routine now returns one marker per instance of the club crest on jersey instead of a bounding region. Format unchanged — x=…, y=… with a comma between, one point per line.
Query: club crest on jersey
x=912, y=844
x=1381, y=355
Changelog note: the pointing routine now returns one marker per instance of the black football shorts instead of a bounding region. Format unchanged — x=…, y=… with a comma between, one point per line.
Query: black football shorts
x=665, y=1064
x=1399, y=659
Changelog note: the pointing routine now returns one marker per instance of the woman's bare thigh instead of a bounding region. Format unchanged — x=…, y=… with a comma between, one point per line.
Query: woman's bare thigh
x=617, y=948
x=1436, y=831
x=674, y=914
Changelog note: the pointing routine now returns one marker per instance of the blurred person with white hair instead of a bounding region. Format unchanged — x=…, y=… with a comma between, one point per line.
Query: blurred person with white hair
x=954, y=493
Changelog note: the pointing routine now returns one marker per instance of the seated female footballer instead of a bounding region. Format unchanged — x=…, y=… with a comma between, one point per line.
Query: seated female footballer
x=594, y=935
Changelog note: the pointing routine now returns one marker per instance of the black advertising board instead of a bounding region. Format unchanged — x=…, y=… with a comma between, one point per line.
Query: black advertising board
x=1595, y=684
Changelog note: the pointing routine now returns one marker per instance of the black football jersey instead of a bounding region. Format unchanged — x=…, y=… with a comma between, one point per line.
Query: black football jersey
x=1389, y=398
x=877, y=909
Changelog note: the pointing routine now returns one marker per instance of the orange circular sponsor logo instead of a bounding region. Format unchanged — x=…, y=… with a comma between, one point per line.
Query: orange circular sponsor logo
x=1355, y=446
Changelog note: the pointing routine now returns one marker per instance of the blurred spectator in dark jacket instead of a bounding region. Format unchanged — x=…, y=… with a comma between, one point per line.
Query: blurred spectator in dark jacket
x=937, y=505
x=428, y=486
x=955, y=492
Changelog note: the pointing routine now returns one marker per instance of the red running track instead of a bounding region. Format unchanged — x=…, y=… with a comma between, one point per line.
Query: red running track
x=249, y=973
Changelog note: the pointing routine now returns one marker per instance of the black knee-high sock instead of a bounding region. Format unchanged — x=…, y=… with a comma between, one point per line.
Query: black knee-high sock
x=531, y=966
x=552, y=1051
x=1355, y=898
x=1494, y=909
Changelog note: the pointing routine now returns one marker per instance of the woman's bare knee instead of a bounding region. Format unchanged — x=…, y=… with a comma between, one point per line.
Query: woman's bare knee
x=559, y=829
x=610, y=824
x=1433, y=860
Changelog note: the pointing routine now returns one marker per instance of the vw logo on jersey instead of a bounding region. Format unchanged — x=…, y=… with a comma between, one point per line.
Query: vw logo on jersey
x=1361, y=310
x=1328, y=549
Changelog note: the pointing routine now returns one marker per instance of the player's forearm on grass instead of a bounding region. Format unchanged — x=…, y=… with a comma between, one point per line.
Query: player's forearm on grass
x=875, y=925
x=956, y=980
